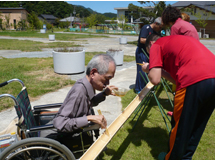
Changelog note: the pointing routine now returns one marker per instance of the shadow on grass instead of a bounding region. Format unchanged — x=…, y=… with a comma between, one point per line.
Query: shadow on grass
x=155, y=137
x=152, y=136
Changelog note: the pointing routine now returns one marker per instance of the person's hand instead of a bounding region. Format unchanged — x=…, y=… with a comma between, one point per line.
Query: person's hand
x=99, y=119
x=145, y=67
x=108, y=90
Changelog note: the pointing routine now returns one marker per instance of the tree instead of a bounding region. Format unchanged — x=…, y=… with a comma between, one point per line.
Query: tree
x=22, y=24
x=7, y=23
x=100, y=18
x=122, y=21
x=57, y=22
x=34, y=21
x=91, y=20
x=147, y=15
x=1, y=20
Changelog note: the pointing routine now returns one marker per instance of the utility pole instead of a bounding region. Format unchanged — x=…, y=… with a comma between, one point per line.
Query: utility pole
x=70, y=18
x=21, y=16
x=74, y=13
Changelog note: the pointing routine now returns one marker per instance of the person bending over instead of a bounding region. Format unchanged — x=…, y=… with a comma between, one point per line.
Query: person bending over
x=171, y=17
x=185, y=61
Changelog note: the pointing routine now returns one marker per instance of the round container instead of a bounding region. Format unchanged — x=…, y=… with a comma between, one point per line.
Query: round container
x=52, y=37
x=69, y=62
x=117, y=56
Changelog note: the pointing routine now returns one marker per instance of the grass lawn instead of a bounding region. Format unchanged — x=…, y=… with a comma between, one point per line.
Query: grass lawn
x=39, y=79
x=150, y=135
x=30, y=46
x=58, y=36
x=27, y=45
x=37, y=74
x=144, y=142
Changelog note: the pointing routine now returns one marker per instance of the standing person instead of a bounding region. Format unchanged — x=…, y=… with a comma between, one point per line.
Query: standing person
x=186, y=62
x=140, y=56
x=171, y=16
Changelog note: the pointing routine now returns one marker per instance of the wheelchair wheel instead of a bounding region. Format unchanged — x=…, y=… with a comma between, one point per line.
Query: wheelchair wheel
x=37, y=149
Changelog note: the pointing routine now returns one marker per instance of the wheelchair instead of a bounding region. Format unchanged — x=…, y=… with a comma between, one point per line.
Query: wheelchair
x=30, y=124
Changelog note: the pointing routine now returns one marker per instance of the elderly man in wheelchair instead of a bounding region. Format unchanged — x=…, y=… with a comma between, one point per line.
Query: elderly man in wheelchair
x=74, y=123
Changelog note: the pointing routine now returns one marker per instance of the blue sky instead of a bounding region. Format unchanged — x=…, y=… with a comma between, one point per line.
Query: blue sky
x=107, y=6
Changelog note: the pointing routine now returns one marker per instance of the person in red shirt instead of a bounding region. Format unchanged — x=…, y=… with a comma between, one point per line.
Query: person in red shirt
x=185, y=61
x=171, y=16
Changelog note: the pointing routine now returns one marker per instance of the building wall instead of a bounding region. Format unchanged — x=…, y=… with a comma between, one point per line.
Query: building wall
x=16, y=15
x=209, y=29
x=208, y=17
x=119, y=14
x=205, y=15
x=122, y=13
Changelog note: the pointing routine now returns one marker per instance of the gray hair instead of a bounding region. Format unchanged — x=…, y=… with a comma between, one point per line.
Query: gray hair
x=100, y=62
x=158, y=20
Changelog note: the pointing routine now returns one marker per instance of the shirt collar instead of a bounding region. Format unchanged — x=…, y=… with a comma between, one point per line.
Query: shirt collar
x=179, y=19
x=89, y=87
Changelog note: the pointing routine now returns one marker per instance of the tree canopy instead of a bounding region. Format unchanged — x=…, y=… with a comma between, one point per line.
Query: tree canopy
x=147, y=15
x=59, y=9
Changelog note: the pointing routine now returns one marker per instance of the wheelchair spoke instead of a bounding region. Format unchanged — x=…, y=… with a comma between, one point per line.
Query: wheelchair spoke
x=37, y=149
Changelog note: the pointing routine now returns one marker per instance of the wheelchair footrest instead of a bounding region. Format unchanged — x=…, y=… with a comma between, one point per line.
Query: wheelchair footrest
x=7, y=140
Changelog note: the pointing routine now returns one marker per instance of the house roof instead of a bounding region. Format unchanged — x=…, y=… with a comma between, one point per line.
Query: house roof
x=126, y=8
x=20, y=8
x=48, y=16
x=187, y=3
x=208, y=8
x=206, y=5
x=70, y=19
x=138, y=20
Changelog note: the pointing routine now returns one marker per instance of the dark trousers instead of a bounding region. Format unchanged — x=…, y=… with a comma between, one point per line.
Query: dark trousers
x=189, y=122
x=140, y=58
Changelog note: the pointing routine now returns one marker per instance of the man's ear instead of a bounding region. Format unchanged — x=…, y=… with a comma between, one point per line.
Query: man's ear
x=152, y=42
x=93, y=71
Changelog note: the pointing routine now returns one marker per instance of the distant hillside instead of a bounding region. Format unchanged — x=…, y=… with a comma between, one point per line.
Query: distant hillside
x=59, y=9
x=109, y=14
x=89, y=9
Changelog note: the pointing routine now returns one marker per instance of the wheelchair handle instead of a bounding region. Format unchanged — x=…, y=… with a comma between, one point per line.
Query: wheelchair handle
x=12, y=80
x=10, y=96
x=3, y=84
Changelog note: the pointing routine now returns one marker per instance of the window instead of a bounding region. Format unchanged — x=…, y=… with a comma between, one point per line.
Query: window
x=193, y=11
x=14, y=23
x=128, y=16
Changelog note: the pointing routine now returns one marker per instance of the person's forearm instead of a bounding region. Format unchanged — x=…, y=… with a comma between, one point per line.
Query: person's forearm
x=143, y=40
x=167, y=76
x=66, y=124
x=98, y=99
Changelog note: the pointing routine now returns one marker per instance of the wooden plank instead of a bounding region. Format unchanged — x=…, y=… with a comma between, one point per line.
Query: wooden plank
x=104, y=139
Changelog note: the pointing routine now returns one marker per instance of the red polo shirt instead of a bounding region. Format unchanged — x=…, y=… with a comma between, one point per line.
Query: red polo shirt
x=186, y=59
x=182, y=27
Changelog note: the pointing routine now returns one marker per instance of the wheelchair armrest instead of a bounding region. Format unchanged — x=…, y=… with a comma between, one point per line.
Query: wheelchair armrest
x=47, y=106
x=40, y=128
x=91, y=127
